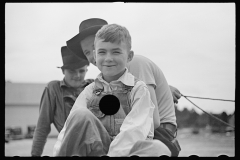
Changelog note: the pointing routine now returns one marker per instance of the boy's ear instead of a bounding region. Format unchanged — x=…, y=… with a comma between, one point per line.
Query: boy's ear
x=130, y=55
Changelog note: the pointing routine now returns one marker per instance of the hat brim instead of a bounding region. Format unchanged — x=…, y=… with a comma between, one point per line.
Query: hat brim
x=75, y=65
x=74, y=43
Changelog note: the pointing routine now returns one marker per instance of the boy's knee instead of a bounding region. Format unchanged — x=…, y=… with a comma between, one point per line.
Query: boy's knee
x=81, y=114
x=162, y=148
x=152, y=148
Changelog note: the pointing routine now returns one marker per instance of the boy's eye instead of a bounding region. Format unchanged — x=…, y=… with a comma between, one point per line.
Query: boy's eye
x=116, y=52
x=82, y=71
x=86, y=53
x=101, y=52
x=71, y=71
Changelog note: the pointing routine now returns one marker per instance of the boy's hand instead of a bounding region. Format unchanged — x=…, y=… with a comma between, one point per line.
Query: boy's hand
x=112, y=138
x=175, y=93
x=87, y=82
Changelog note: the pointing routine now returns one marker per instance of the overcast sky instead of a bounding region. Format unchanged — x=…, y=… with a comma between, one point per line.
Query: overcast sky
x=192, y=43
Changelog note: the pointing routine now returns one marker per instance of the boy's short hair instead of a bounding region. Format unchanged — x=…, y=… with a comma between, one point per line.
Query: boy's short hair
x=114, y=33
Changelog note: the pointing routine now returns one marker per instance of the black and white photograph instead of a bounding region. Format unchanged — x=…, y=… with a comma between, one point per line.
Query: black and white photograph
x=120, y=79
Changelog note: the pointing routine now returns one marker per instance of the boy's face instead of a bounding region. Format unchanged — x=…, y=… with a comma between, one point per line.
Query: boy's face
x=75, y=77
x=112, y=58
x=87, y=45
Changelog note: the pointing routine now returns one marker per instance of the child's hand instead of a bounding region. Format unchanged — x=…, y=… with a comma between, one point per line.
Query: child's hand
x=112, y=138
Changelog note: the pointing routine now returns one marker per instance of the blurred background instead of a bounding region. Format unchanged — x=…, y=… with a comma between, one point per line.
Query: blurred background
x=192, y=43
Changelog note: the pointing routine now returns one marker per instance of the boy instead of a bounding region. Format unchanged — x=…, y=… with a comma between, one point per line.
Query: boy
x=58, y=98
x=88, y=131
x=141, y=67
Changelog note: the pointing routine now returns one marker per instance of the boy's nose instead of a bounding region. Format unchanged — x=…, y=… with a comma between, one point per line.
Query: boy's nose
x=78, y=75
x=108, y=57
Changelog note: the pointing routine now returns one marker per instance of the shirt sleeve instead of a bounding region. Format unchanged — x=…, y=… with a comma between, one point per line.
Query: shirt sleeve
x=137, y=125
x=43, y=126
x=151, y=74
x=141, y=68
x=81, y=102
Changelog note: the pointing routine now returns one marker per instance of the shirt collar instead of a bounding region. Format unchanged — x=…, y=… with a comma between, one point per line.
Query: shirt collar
x=62, y=83
x=127, y=78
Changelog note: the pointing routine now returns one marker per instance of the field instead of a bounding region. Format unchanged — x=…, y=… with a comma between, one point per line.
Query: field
x=203, y=145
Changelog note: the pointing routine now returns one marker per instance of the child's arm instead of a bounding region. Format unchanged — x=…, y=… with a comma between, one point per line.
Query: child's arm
x=156, y=118
x=138, y=123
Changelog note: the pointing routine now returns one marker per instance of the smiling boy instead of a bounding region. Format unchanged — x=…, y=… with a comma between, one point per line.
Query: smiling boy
x=143, y=68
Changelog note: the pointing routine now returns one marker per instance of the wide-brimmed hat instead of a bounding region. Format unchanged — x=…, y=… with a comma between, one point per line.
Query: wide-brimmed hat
x=70, y=60
x=86, y=28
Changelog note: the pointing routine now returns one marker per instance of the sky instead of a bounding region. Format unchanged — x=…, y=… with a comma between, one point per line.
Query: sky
x=192, y=43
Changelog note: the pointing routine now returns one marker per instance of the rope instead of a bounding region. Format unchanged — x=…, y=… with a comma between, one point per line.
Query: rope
x=210, y=114
x=211, y=98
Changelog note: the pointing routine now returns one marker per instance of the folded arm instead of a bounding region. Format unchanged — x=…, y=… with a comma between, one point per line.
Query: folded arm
x=137, y=125
x=156, y=118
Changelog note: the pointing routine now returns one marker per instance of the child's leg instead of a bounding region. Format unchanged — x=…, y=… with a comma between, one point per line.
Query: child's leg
x=84, y=136
x=149, y=148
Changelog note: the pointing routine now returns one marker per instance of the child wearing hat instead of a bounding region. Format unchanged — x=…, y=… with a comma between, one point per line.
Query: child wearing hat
x=58, y=98
x=162, y=94
x=91, y=131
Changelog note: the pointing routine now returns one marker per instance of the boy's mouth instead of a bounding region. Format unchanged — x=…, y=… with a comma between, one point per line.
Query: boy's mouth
x=77, y=79
x=108, y=65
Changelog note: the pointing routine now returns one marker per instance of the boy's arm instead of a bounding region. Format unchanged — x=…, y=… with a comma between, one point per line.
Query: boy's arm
x=156, y=118
x=138, y=123
x=43, y=127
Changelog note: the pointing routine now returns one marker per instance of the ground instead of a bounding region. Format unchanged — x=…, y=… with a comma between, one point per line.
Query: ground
x=203, y=144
